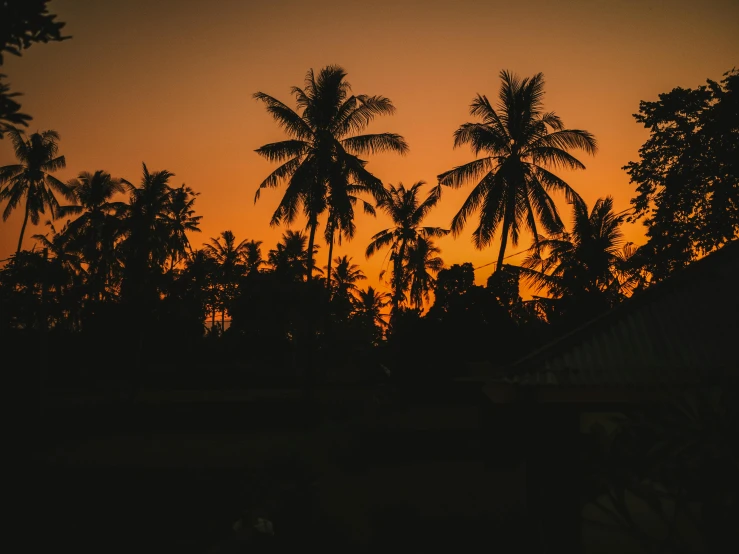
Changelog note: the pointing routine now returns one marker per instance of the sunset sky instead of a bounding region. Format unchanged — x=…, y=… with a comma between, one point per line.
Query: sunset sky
x=170, y=83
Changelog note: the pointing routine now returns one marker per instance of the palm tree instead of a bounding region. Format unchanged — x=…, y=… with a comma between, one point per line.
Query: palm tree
x=182, y=219
x=346, y=274
x=586, y=263
x=290, y=258
x=320, y=161
x=31, y=178
x=63, y=271
x=229, y=258
x=423, y=261
x=407, y=213
x=340, y=222
x=147, y=218
x=95, y=232
x=253, y=256
x=520, y=143
x=368, y=306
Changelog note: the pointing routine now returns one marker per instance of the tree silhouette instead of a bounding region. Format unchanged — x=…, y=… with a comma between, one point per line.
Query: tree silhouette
x=340, y=222
x=253, y=256
x=24, y=23
x=229, y=258
x=368, y=307
x=346, y=275
x=97, y=229
x=290, y=258
x=31, y=179
x=407, y=213
x=520, y=143
x=585, y=265
x=182, y=219
x=686, y=176
x=423, y=261
x=320, y=162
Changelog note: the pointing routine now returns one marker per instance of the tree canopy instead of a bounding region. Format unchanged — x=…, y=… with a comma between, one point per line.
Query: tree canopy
x=687, y=178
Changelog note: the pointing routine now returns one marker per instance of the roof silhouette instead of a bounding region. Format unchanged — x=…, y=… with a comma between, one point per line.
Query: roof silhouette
x=682, y=330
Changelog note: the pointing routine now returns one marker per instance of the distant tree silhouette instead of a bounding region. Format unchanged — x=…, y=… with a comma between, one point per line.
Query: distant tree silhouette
x=253, y=256
x=406, y=212
x=520, y=143
x=586, y=266
x=31, y=180
x=290, y=258
x=423, y=264
x=97, y=229
x=340, y=222
x=182, y=219
x=451, y=283
x=62, y=275
x=229, y=259
x=320, y=162
x=346, y=275
x=368, y=312
x=687, y=178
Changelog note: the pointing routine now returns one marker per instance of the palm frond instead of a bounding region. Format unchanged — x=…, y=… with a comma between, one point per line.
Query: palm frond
x=375, y=144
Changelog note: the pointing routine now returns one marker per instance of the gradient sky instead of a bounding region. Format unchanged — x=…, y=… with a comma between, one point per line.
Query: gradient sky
x=169, y=83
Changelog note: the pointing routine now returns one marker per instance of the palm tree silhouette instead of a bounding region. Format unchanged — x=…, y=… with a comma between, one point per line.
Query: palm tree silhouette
x=346, y=275
x=368, y=307
x=320, y=161
x=229, y=258
x=62, y=272
x=520, y=142
x=423, y=261
x=253, y=256
x=586, y=262
x=340, y=222
x=407, y=213
x=31, y=178
x=95, y=232
x=182, y=219
x=290, y=258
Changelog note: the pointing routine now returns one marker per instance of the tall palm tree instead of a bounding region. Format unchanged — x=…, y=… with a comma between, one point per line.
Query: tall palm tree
x=407, y=213
x=31, y=178
x=423, y=264
x=586, y=262
x=320, y=161
x=228, y=256
x=520, y=144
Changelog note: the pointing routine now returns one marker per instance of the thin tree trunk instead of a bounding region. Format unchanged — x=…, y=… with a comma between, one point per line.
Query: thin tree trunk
x=23, y=228
x=311, y=242
x=398, y=278
x=503, y=242
x=328, y=274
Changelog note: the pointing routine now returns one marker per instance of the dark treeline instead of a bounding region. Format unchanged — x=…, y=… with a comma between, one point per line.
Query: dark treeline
x=120, y=275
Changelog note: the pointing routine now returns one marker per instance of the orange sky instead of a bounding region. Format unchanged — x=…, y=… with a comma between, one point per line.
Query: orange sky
x=169, y=82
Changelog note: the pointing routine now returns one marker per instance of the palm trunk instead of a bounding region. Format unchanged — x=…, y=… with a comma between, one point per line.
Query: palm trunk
x=503, y=242
x=311, y=242
x=398, y=278
x=328, y=274
x=23, y=228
